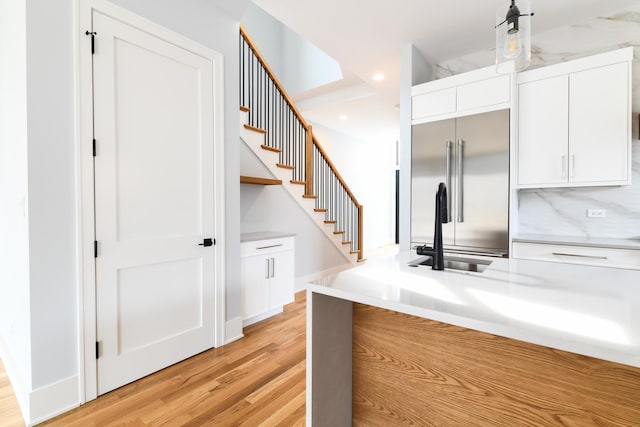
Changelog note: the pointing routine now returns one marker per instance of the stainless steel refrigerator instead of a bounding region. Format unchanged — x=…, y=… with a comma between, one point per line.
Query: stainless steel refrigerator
x=471, y=156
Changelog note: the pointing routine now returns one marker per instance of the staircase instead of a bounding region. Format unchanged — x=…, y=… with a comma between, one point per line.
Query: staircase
x=275, y=131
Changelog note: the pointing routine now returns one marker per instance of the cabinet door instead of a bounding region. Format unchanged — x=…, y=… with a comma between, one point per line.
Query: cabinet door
x=543, y=127
x=281, y=283
x=433, y=103
x=599, y=124
x=484, y=93
x=254, y=285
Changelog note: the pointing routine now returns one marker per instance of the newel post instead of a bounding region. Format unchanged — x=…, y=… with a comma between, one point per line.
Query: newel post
x=308, y=187
x=360, y=226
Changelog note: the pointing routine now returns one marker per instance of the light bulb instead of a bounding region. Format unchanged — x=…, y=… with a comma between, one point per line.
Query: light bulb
x=512, y=45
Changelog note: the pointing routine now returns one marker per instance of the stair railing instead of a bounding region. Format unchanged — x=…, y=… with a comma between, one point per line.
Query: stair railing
x=271, y=109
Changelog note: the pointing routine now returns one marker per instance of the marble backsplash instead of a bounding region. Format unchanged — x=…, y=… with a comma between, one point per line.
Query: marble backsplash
x=563, y=211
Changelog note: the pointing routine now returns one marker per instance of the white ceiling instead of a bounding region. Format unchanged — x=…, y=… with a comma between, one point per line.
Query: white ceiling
x=366, y=37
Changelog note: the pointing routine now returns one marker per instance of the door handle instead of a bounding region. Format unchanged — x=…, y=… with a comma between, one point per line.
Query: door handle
x=448, y=179
x=460, y=183
x=207, y=242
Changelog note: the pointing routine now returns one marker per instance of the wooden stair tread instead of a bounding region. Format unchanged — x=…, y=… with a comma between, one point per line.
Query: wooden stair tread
x=274, y=149
x=329, y=221
x=309, y=196
x=283, y=166
x=354, y=252
x=259, y=181
x=245, y=109
x=338, y=232
x=347, y=242
x=255, y=129
x=293, y=181
x=320, y=210
x=362, y=260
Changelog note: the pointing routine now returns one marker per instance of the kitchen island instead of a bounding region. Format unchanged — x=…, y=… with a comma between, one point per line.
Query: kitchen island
x=523, y=343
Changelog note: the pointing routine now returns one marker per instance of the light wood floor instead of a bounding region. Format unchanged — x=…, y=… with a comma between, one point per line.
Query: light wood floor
x=258, y=380
x=10, y=415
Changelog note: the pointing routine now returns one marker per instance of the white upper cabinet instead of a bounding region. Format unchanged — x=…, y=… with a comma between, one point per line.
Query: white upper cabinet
x=599, y=120
x=460, y=95
x=543, y=129
x=574, y=123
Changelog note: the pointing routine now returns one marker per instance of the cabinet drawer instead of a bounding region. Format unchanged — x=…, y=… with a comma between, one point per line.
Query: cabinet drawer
x=433, y=103
x=267, y=246
x=604, y=257
x=484, y=93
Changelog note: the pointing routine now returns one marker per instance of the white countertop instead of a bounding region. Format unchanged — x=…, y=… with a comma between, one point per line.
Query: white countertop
x=594, y=311
x=263, y=235
x=598, y=242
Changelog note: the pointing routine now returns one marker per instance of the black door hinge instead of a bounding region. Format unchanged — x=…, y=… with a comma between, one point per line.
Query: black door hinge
x=97, y=350
x=93, y=40
x=94, y=147
x=95, y=249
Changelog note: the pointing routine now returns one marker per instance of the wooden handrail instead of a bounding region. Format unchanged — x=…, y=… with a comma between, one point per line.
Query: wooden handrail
x=272, y=75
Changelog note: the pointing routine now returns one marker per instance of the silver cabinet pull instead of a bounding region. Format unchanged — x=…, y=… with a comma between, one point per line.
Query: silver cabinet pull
x=267, y=269
x=448, y=179
x=573, y=166
x=580, y=256
x=460, y=183
x=273, y=267
x=271, y=246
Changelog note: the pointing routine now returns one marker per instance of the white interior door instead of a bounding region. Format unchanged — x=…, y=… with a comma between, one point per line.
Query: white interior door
x=154, y=202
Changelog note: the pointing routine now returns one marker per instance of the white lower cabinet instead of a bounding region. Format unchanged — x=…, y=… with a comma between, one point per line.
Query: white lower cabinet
x=267, y=277
x=585, y=255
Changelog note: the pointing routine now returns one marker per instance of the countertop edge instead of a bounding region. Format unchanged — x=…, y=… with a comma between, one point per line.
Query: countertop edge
x=264, y=235
x=480, y=326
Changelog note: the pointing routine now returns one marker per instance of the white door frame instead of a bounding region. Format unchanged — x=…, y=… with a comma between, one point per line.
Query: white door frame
x=84, y=178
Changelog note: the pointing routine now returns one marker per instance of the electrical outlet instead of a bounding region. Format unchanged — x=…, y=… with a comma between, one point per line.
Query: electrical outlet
x=596, y=213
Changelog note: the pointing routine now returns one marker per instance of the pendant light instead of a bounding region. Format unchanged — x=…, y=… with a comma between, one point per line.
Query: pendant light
x=513, y=37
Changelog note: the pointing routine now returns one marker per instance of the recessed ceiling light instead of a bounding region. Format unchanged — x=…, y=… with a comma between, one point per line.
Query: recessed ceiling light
x=343, y=117
x=378, y=76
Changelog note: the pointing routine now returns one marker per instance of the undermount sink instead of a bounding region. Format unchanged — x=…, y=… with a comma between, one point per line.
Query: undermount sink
x=455, y=263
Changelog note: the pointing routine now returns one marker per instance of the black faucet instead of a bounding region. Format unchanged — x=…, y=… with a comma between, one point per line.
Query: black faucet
x=436, y=252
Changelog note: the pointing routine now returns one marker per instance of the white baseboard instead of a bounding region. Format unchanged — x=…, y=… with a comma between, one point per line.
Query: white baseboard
x=45, y=402
x=301, y=282
x=262, y=316
x=233, y=330
x=54, y=399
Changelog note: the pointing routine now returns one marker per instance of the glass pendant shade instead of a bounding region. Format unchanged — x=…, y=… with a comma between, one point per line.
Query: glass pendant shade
x=513, y=36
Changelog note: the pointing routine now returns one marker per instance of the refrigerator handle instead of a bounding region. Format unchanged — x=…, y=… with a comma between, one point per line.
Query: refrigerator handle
x=460, y=183
x=448, y=179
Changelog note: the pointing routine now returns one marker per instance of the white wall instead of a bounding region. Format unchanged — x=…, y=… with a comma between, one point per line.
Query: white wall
x=15, y=345
x=369, y=170
x=52, y=209
x=305, y=66
x=38, y=282
x=271, y=208
x=298, y=64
